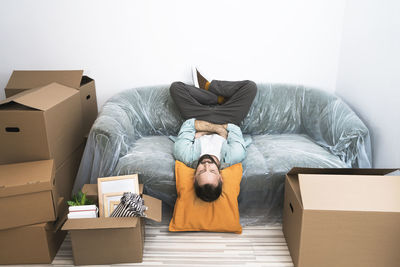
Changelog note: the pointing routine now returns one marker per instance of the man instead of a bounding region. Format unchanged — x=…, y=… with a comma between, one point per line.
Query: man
x=210, y=138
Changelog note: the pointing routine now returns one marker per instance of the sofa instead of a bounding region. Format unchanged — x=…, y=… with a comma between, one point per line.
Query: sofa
x=290, y=126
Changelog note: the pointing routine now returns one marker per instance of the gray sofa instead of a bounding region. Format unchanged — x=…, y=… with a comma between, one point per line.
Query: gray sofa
x=290, y=126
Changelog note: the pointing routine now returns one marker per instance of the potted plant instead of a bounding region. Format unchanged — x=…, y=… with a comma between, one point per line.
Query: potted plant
x=81, y=207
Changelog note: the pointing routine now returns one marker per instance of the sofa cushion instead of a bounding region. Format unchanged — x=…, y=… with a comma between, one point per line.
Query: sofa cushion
x=266, y=154
x=269, y=158
x=282, y=152
x=151, y=158
x=269, y=154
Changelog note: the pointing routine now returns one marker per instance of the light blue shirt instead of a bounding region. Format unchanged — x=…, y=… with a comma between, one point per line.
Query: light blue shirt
x=187, y=149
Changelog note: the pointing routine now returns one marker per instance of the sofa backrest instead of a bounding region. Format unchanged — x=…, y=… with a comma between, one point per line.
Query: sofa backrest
x=150, y=109
x=277, y=108
x=285, y=108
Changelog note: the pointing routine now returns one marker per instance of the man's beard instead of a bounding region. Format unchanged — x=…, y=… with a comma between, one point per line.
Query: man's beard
x=206, y=156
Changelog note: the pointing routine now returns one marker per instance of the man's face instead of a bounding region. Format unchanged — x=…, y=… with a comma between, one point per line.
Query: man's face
x=207, y=171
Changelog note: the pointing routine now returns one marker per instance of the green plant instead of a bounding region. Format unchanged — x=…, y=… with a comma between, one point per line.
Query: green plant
x=80, y=199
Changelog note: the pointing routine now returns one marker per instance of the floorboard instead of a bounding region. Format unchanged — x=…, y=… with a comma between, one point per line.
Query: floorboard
x=256, y=246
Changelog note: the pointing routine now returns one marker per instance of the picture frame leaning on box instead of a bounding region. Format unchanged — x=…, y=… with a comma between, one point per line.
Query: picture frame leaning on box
x=107, y=185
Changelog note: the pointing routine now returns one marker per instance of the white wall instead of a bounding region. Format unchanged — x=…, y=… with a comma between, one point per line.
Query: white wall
x=369, y=73
x=123, y=44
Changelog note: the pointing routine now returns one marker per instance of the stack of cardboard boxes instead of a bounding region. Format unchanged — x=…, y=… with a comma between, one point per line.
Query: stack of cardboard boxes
x=43, y=123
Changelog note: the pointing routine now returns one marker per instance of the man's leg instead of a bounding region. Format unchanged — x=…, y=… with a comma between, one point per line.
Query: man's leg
x=239, y=97
x=203, y=96
x=190, y=99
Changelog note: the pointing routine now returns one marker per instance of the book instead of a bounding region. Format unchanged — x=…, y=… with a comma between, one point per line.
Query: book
x=85, y=211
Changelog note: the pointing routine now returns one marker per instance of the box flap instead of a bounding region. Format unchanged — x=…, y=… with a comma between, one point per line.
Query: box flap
x=350, y=192
x=13, y=98
x=100, y=223
x=90, y=189
x=45, y=97
x=154, y=205
x=27, y=79
x=27, y=177
x=42, y=98
x=352, y=171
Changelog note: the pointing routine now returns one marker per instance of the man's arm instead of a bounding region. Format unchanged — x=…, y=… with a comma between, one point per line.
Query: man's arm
x=205, y=126
x=234, y=151
x=186, y=149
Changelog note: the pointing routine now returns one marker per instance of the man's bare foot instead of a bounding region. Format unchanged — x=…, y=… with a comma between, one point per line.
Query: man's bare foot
x=198, y=79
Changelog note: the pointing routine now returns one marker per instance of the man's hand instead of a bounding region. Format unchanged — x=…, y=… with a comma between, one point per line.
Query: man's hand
x=200, y=134
x=204, y=126
x=222, y=130
x=223, y=133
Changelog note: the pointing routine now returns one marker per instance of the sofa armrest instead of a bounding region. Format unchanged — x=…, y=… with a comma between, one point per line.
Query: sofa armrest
x=337, y=128
x=126, y=117
x=108, y=140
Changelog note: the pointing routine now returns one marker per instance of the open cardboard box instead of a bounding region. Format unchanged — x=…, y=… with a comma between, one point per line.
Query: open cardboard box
x=37, y=243
x=22, y=80
x=342, y=217
x=110, y=240
x=27, y=193
x=42, y=123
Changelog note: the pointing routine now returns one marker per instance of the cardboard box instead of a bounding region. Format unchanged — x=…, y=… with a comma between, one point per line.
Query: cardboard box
x=39, y=124
x=110, y=240
x=24, y=80
x=66, y=173
x=27, y=193
x=342, y=217
x=31, y=244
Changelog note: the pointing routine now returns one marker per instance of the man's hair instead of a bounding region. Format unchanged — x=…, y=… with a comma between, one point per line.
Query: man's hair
x=208, y=192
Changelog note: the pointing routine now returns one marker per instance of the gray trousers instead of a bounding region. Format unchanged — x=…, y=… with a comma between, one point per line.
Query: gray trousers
x=202, y=104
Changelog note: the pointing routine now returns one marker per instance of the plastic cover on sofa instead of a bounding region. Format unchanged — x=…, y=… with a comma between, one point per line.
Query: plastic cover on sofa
x=291, y=126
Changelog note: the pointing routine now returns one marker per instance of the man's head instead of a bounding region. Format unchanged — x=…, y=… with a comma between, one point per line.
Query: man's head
x=207, y=178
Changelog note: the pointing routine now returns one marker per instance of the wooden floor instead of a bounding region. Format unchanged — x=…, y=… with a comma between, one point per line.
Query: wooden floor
x=256, y=246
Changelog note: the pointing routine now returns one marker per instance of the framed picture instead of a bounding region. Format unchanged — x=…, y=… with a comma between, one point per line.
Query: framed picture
x=108, y=198
x=113, y=206
x=116, y=184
